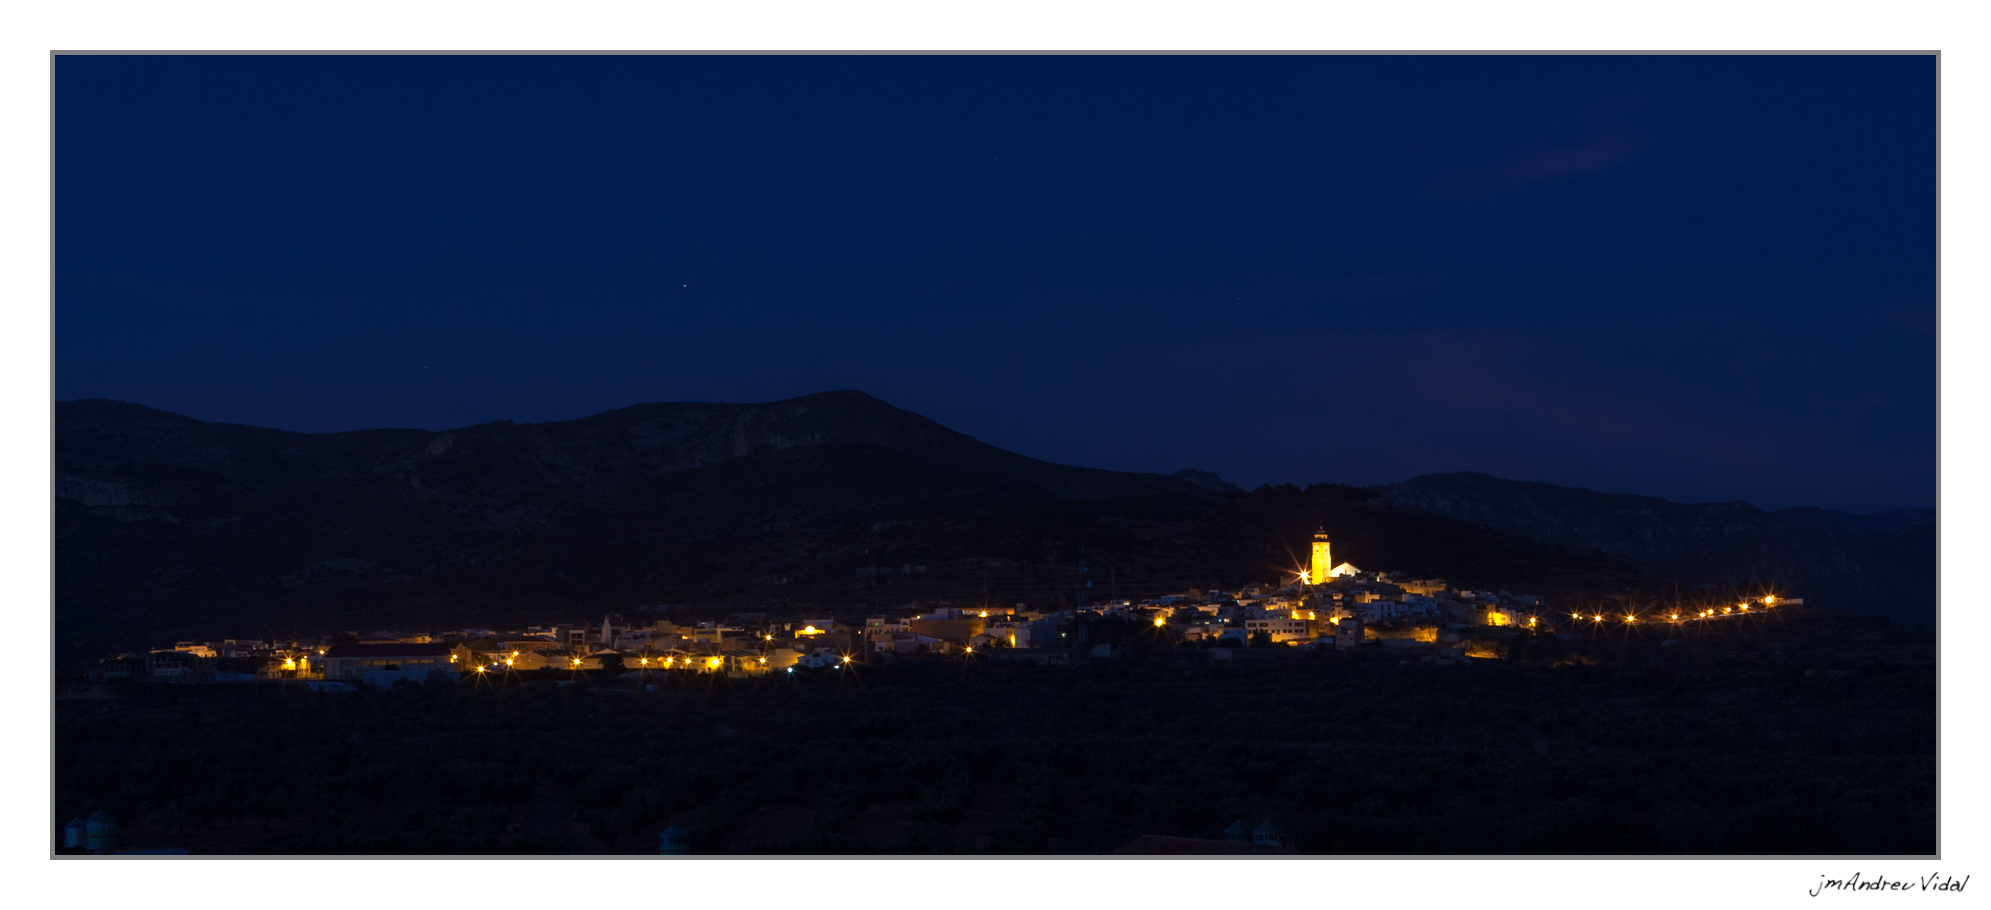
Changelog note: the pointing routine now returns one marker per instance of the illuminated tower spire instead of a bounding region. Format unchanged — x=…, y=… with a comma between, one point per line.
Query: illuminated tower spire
x=1323, y=564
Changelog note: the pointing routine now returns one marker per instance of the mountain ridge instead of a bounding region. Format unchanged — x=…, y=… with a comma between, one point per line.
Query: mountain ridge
x=1890, y=574
x=592, y=453
x=169, y=527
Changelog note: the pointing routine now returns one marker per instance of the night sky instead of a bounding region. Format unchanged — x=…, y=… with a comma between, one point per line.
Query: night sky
x=1700, y=278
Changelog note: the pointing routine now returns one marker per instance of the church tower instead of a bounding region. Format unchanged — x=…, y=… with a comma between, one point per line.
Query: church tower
x=1323, y=564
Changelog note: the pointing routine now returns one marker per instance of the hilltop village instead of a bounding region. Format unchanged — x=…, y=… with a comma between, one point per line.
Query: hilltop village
x=1325, y=607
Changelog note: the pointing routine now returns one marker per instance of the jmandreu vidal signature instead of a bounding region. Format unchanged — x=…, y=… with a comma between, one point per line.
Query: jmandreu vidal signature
x=1934, y=882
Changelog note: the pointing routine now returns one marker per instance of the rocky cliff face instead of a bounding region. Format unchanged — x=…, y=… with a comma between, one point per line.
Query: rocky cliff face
x=1889, y=574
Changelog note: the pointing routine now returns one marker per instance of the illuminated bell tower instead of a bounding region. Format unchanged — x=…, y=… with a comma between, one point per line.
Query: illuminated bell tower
x=1323, y=564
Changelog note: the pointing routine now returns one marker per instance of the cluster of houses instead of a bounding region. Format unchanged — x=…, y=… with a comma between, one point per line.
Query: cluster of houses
x=1349, y=608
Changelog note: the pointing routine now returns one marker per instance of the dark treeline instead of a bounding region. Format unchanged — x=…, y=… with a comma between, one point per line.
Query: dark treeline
x=1790, y=736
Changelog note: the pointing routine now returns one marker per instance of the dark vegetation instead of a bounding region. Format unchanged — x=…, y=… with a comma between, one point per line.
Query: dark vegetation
x=1800, y=733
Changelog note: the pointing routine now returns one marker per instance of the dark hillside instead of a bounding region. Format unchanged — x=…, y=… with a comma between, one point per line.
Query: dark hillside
x=1889, y=574
x=170, y=528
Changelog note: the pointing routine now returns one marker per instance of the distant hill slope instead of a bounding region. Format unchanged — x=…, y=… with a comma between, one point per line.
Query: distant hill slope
x=1892, y=521
x=1884, y=563
x=496, y=463
x=168, y=527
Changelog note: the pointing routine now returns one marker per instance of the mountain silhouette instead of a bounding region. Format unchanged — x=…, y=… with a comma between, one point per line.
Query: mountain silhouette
x=1883, y=564
x=167, y=527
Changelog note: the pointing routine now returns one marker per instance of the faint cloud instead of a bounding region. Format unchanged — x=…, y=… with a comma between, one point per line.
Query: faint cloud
x=1547, y=164
x=1544, y=163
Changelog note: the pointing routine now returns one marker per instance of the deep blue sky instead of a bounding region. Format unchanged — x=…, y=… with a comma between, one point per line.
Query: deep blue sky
x=1701, y=278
